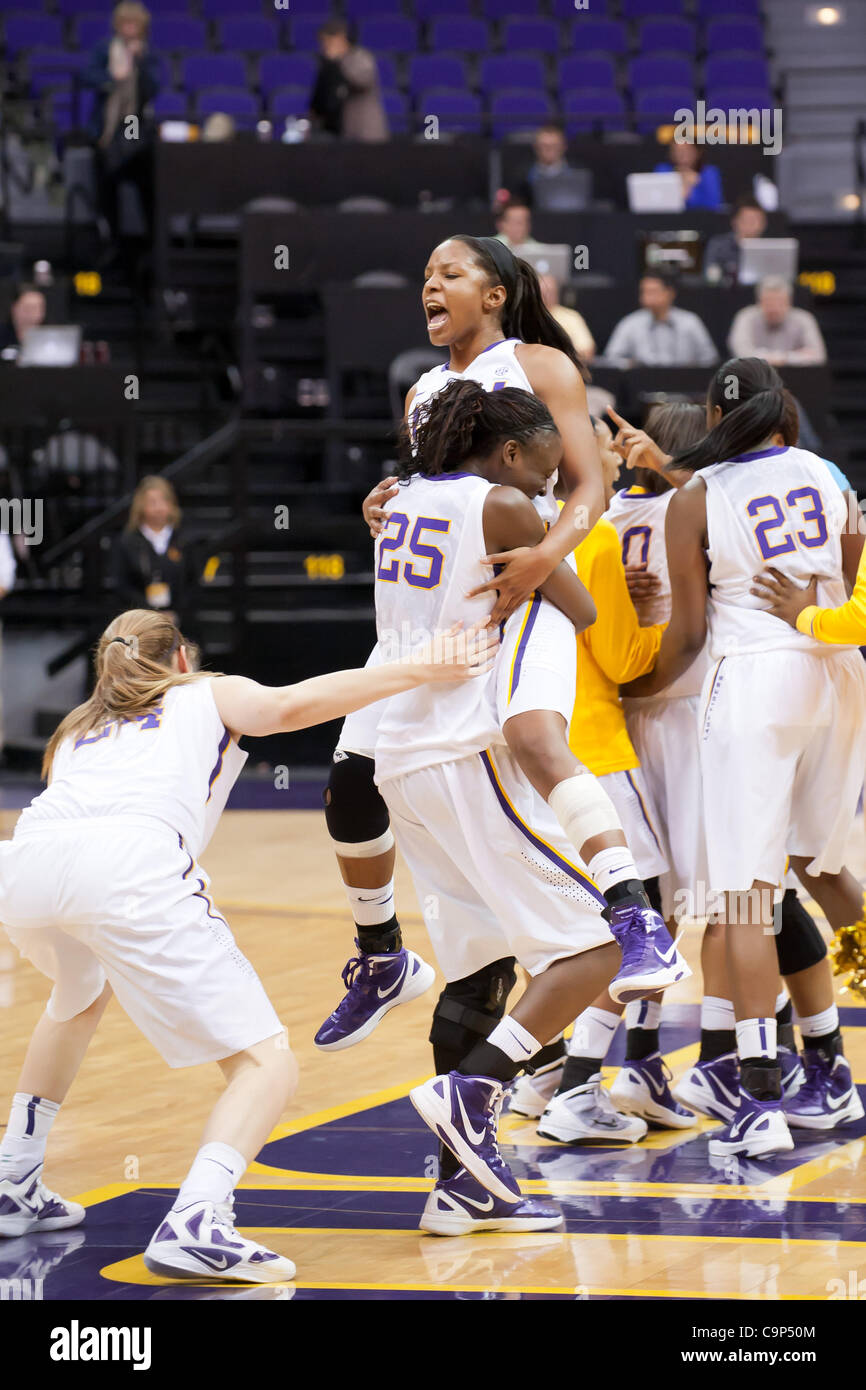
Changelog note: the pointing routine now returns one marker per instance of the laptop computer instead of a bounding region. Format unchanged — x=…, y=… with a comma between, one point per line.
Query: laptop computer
x=554, y=259
x=51, y=345
x=655, y=192
x=761, y=257
x=568, y=191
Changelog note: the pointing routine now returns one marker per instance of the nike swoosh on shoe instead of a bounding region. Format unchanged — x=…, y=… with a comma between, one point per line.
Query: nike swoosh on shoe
x=383, y=993
x=471, y=1134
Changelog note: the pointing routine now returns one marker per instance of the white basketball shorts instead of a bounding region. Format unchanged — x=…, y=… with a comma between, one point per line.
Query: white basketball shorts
x=123, y=900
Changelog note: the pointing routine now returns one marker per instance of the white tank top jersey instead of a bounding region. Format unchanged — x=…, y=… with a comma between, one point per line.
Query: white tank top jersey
x=781, y=507
x=639, y=517
x=427, y=559
x=495, y=367
x=176, y=764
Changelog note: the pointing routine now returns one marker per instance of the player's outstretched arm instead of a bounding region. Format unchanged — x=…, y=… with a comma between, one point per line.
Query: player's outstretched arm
x=246, y=707
x=511, y=521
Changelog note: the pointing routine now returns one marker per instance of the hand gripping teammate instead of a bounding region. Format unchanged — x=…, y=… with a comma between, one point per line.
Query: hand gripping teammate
x=101, y=889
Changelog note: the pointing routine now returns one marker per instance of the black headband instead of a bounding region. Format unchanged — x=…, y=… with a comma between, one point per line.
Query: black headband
x=502, y=258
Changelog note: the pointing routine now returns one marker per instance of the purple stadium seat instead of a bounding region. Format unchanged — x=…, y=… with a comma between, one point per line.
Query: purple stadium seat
x=439, y=70
x=667, y=36
x=388, y=33
x=519, y=109
x=459, y=112
x=397, y=111
x=595, y=71
x=530, y=36
x=567, y=9
x=167, y=6
x=213, y=70
x=252, y=34
x=54, y=60
x=286, y=70
x=234, y=101
x=74, y=7
x=172, y=32
x=25, y=30
x=303, y=32
x=433, y=9
x=725, y=98
x=660, y=70
x=91, y=29
x=734, y=36
x=170, y=106
x=387, y=71
x=66, y=114
x=723, y=70
x=516, y=9
x=289, y=101
x=594, y=107
x=650, y=9
x=656, y=105
x=725, y=9
x=591, y=35
x=357, y=9
x=461, y=33
x=500, y=72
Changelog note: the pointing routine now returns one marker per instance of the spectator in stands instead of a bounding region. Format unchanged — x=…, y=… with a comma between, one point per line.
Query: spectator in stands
x=7, y=579
x=125, y=74
x=722, y=256
x=658, y=334
x=552, y=184
x=574, y=323
x=514, y=226
x=26, y=311
x=773, y=329
x=346, y=99
x=701, y=183
x=152, y=568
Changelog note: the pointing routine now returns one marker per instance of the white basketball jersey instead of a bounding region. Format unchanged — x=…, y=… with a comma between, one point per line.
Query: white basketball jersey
x=176, y=764
x=639, y=517
x=427, y=558
x=495, y=367
x=781, y=508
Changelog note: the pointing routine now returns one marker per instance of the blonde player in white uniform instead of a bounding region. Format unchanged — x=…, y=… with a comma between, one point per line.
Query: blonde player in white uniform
x=486, y=306
x=101, y=889
x=782, y=731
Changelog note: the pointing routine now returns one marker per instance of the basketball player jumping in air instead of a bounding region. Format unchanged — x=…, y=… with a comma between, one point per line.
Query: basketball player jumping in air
x=486, y=307
x=101, y=889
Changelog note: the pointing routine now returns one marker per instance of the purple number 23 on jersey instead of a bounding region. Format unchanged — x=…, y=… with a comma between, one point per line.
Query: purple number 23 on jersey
x=774, y=517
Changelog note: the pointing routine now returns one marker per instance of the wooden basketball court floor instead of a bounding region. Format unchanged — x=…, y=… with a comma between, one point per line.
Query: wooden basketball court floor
x=342, y=1182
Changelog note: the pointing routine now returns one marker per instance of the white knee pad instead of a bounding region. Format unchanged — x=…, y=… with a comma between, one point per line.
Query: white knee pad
x=583, y=808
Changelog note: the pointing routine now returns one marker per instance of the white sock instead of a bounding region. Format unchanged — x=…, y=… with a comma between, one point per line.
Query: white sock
x=756, y=1037
x=819, y=1025
x=215, y=1173
x=512, y=1039
x=717, y=1015
x=26, y=1136
x=612, y=866
x=593, y=1034
x=371, y=907
x=781, y=1000
x=643, y=1013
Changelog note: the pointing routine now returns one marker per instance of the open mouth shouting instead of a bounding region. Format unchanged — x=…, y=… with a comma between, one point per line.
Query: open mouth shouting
x=437, y=314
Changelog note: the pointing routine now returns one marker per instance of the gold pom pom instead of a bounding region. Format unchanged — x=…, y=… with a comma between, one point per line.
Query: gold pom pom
x=848, y=953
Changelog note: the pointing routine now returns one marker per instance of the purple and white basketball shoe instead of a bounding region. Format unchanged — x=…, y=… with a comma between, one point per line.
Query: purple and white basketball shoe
x=200, y=1242
x=650, y=959
x=27, y=1205
x=374, y=984
x=459, y=1205
x=642, y=1088
x=758, y=1127
x=828, y=1096
x=711, y=1088
x=464, y=1112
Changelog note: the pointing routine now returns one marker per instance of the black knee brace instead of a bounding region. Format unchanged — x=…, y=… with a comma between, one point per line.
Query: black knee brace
x=799, y=943
x=469, y=1009
x=354, y=810
x=654, y=893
